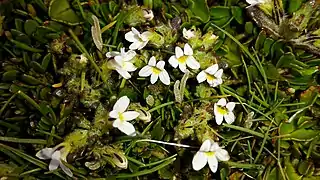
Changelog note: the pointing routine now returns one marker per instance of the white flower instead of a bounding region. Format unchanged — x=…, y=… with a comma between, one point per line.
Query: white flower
x=188, y=33
x=210, y=153
x=184, y=58
x=212, y=75
x=156, y=70
x=148, y=14
x=255, y=2
x=222, y=109
x=56, y=157
x=83, y=59
x=122, y=62
x=138, y=40
x=123, y=117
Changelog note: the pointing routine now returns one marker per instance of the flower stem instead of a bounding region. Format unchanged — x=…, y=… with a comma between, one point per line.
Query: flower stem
x=244, y=130
x=84, y=51
x=161, y=106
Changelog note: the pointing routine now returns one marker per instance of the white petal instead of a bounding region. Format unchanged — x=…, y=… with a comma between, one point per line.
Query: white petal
x=199, y=161
x=128, y=66
x=230, y=106
x=218, y=116
x=55, y=161
x=214, y=147
x=173, y=61
x=152, y=61
x=213, y=83
x=136, y=45
x=222, y=102
x=252, y=2
x=183, y=67
x=130, y=115
x=66, y=170
x=205, y=147
x=212, y=69
x=116, y=123
x=188, y=50
x=45, y=153
x=112, y=54
x=114, y=114
x=127, y=128
x=131, y=37
x=222, y=155
x=229, y=117
x=178, y=51
x=160, y=65
x=122, y=104
x=213, y=163
x=56, y=155
x=154, y=78
x=145, y=71
x=164, y=77
x=143, y=45
x=145, y=35
x=129, y=55
x=54, y=164
x=193, y=63
x=218, y=81
x=219, y=73
x=202, y=76
x=135, y=31
x=123, y=73
x=184, y=32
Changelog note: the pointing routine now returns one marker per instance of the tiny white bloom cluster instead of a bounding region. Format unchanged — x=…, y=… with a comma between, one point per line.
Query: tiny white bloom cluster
x=210, y=153
x=148, y=14
x=188, y=34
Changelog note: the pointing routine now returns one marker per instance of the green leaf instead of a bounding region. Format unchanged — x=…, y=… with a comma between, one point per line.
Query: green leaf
x=60, y=10
x=237, y=14
x=294, y=5
x=30, y=26
x=302, y=135
x=219, y=12
x=290, y=171
x=158, y=131
x=286, y=128
x=200, y=9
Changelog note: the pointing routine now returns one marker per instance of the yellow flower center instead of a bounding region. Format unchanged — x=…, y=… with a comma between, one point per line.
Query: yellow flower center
x=182, y=59
x=156, y=70
x=210, y=153
x=121, y=117
x=222, y=110
x=210, y=77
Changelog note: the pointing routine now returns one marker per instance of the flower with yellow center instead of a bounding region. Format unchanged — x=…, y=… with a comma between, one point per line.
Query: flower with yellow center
x=122, y=116
x=222, y=109
x=156, y=70
x=210, y=153
x=184, y=58
x=212, y=75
